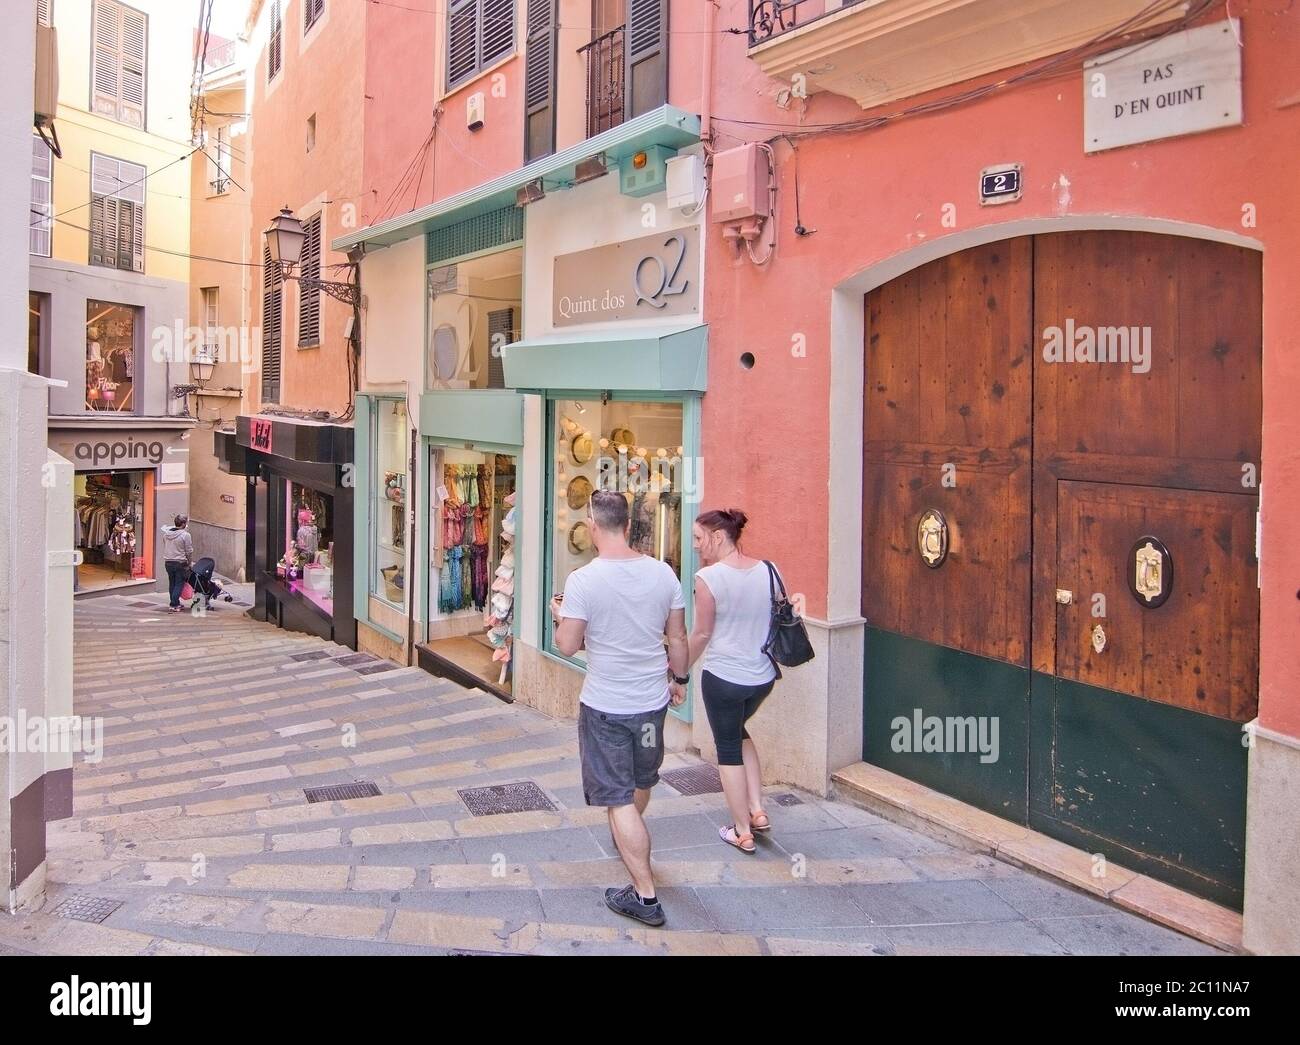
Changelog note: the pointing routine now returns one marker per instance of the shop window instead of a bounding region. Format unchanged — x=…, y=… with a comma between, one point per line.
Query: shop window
x=38, y=325
x=110, y=356
x=471, y=584
x=307, y=565
x=475, y=310
x=112, y=523
x=388, y=502
x=632, y=447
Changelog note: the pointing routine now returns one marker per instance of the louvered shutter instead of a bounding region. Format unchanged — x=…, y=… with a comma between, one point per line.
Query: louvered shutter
x=273, y=51
x=270, y=329
x=134, y=45
x=646, y=48
x=497, y=18
x=462, y=40
x=40, y=223
x=309, y=300
x=501, y=332
x=105, y=83
x=311, y=10
x=42, y=12
x=539, y=80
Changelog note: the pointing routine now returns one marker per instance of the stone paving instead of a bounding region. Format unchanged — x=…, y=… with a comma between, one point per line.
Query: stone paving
x=196, y=823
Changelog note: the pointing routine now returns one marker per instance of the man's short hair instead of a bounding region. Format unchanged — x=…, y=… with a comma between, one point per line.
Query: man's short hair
x=609, y=510
x=181, y=520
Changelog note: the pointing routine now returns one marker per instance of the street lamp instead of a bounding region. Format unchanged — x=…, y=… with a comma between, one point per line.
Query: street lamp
x=284, y=237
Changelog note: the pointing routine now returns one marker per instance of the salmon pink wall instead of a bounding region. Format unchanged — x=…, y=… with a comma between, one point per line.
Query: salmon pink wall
x=321, y=75
x=877, y=194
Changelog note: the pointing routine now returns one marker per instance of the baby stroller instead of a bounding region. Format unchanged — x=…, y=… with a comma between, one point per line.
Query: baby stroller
x=205, y=585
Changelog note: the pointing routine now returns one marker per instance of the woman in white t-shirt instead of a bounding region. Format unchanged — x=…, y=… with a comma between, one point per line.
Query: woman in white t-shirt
x=733, y=609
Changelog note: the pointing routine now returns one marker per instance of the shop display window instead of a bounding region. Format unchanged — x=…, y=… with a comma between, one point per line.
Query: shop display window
x=389, y=501
x=475, y=309
x=110, y=356
x=112, y=528
x=632, y=447
x=472, y=562
x=307, y=565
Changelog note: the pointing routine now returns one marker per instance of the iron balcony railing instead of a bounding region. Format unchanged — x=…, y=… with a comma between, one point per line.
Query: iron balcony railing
x=219, y=57
x=605, y=81
x=769, y=18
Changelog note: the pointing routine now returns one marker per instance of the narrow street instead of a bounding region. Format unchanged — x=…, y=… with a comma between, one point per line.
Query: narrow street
x=195, y=835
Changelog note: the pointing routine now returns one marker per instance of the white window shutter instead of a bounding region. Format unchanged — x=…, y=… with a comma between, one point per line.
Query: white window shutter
x=134, y=46
x=42, y=12
x=105, y=85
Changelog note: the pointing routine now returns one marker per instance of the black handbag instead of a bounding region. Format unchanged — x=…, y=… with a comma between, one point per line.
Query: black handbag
x=787, y=640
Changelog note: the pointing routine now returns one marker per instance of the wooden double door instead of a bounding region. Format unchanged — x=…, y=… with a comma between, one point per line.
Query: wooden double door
x=1061, y=475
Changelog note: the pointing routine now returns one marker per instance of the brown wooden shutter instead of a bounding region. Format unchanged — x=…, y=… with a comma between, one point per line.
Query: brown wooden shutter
x=274, y=53
x=311, y=10
x=98, y=225
x=309, y=300
x=271, y=315
x=497, y=26
x=462, y=40
x=646, y=48
x=539, y=80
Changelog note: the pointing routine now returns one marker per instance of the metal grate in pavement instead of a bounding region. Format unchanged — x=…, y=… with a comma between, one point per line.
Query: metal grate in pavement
x=342, y=792
x=87, y=908
x=353, y=660
x=521, y=797
x=787, y=799
x=694, y=780
x=316, y=654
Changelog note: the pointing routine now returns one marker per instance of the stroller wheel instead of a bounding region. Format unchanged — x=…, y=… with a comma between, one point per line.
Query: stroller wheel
x=228, y=597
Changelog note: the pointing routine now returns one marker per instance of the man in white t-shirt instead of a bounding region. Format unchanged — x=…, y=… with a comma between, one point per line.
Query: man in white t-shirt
x=619, y=607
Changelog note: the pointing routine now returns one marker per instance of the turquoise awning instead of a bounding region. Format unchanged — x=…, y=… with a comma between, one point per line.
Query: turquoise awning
x=473, y=415
x=637, y=359
x=667, y=125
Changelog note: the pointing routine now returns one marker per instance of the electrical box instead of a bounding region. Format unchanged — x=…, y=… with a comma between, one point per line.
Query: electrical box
x=474, y=111
x=644, y=172
x=47, y=73
x=686, y=181
x=740, y=183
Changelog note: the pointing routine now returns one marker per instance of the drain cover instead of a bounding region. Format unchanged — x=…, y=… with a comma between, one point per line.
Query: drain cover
x=342, y=792
x=787, y=799
x=694, y=780
x=523, y=797
x=316, y=654
x=352, y=660
x=87, y=908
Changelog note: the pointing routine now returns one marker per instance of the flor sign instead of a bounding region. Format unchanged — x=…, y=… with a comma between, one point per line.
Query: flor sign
x=1181, y=84
x=642, y=278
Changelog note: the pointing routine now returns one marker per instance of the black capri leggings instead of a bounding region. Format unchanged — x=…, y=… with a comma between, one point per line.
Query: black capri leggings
x=729, y=706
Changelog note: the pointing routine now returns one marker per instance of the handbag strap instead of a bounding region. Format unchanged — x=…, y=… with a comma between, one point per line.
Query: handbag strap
x=773, y=582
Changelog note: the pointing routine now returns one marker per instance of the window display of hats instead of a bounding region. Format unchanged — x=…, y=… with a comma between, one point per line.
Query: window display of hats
x=501, y=607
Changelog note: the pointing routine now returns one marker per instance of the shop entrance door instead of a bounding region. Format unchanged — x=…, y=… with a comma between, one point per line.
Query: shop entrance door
x=1064, y=547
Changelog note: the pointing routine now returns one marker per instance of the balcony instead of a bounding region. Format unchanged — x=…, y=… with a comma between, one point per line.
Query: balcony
x=606, y=84
x=878, y=51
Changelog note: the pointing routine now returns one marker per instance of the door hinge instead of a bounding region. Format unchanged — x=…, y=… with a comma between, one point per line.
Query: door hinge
x=1064, y=597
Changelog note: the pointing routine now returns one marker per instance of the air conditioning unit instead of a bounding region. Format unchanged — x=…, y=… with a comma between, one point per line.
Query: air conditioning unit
x=47, y=73
x=474, y=105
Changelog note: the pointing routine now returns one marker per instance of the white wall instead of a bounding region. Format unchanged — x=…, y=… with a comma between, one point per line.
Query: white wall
x=17, y=70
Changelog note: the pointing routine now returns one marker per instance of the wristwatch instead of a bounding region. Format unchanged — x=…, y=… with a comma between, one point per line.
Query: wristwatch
x=680, y=680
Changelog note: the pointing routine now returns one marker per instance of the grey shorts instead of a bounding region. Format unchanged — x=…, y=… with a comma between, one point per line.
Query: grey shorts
x=619, y=754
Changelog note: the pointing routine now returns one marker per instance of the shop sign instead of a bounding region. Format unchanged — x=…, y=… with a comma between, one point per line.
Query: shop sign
x=117, y=453
x=1181, y=84
x=642, y=278
x=259, y=435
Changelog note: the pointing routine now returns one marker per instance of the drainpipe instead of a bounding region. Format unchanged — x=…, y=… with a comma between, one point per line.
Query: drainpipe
x=706, y=102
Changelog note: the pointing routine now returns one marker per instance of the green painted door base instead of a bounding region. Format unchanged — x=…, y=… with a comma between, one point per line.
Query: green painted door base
x=1150, y=787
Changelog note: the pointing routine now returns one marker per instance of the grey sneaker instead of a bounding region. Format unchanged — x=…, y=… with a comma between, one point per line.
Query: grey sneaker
x=626, y=902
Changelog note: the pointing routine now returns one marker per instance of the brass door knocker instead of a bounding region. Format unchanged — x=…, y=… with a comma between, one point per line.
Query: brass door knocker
x=1151, y=573
x=932, y=538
